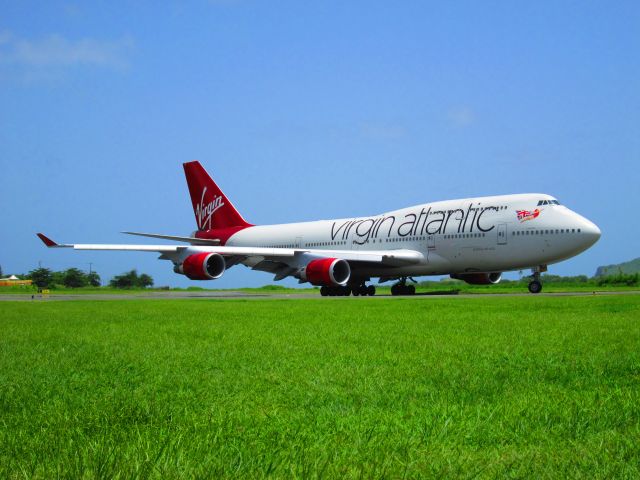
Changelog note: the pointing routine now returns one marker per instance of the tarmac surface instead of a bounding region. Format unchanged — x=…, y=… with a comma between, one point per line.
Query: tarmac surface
x=231, y=294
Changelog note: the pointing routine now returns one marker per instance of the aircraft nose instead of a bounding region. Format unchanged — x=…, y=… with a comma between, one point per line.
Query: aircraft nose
x=590, y=231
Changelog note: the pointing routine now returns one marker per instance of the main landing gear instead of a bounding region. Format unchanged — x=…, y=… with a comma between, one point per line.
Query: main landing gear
x=535, y=285
x=355, y=290
x=363, y=290
x=401, y=288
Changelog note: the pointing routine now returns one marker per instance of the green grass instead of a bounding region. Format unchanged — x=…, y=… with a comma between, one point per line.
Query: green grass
x=356, y=388
x=275, y=289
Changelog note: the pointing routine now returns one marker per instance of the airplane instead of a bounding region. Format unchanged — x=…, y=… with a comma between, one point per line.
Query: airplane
x=472, y=239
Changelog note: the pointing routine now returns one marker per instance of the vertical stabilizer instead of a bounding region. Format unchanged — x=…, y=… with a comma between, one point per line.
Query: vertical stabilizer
x=211, y=206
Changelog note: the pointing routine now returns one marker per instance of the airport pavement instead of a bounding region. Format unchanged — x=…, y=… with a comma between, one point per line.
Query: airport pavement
x=231, y=294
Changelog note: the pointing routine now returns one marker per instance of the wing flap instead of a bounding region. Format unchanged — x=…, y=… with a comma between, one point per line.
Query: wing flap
x=392, y=258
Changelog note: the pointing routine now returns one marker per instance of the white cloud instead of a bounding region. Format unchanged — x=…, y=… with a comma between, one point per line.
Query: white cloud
x=56, y=51
x=461, y=116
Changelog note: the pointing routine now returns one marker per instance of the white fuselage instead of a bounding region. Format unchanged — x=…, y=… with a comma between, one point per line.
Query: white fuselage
x=485, y=234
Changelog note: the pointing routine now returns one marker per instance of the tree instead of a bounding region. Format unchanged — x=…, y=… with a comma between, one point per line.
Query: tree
x=42, y=277
x=145, y=281
x=94, y=279
x=131, y=280
x=0, y=271
x=74, y=278
x=126, y=280
x=57, y=278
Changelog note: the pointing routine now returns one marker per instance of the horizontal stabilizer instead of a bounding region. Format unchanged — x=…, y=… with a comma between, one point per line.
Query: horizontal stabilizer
x=191, y=240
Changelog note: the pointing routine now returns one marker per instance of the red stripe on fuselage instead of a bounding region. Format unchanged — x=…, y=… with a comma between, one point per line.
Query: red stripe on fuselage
x=222, y=234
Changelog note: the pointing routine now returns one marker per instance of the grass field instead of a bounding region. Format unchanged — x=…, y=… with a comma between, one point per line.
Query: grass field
x=366, y=388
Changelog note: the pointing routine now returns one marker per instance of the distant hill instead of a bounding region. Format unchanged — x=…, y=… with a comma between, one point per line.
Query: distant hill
x=632, y=266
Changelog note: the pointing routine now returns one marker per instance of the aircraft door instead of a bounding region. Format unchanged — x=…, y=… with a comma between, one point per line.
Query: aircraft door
x=502, y=234
x=431, y=242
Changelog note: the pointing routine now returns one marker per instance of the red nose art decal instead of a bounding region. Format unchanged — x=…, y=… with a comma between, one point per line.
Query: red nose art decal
x=524, y=215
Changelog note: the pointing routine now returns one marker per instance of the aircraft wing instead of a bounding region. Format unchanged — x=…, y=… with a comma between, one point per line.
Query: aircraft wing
x=167, y=249
x=392, y=258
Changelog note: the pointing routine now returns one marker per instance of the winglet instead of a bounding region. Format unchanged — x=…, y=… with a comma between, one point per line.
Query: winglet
x=48, y=242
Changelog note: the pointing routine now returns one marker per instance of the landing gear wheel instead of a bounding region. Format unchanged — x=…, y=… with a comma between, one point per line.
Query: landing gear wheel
x=403, y=289
x=324, y=290
x=371, y=290
x=535, y=286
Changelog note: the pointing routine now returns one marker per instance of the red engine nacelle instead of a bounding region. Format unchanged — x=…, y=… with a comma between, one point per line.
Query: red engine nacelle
x=202, y=266
x=327, y=271
x=478, y=278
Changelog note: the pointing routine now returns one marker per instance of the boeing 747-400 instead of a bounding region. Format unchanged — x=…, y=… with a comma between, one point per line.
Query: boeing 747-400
x=472, y=239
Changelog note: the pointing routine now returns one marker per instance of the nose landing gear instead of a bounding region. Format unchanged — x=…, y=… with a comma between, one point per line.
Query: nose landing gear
x=535, y=285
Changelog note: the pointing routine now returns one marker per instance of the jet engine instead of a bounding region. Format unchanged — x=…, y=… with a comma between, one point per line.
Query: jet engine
x=327, y=271
x=478, y=278
x=202, y=266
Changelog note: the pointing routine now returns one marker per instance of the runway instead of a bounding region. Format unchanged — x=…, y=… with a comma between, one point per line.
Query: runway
x=236, y=295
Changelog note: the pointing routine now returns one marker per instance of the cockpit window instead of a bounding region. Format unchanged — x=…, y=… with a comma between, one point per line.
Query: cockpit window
x=548, y=202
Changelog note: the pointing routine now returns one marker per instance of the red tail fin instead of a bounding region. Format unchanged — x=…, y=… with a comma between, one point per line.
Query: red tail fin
x=211, y=207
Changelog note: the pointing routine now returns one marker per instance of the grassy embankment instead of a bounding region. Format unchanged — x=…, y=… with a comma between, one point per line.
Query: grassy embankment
x=534, y=386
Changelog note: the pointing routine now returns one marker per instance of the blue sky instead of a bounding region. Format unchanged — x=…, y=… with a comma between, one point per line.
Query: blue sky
x=306, y=110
